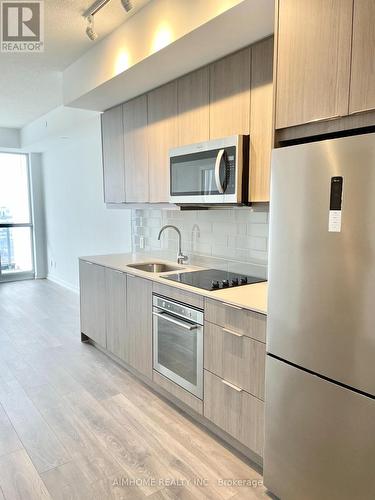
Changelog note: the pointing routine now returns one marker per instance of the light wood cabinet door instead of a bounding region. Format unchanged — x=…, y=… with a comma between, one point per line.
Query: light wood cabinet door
x=313, y=60
x=193, y=107
x=235, y=358
x=230, y=95
x=261, y=120
x=162, y=133
x=92, y=297
x=235, y=411
x=113, y=156
x=362, y=87
x=136, y=150
x=234, y=318
x=115, y=296
x=139, y=324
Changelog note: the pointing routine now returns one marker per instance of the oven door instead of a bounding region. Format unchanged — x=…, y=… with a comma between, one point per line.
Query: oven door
x=178, y=350
x=207, y=173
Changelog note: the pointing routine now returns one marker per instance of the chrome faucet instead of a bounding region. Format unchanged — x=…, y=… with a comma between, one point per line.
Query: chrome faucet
x=181, y=258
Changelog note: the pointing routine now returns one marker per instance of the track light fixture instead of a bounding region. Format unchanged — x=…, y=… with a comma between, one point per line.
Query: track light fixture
x=94, y=9
x=90, y=32
x=127, y=4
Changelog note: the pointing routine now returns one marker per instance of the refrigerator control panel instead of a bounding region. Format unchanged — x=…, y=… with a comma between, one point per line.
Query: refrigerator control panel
x=335, y=203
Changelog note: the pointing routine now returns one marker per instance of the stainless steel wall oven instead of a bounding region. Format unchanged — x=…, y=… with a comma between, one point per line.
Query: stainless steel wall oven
x=178, y=343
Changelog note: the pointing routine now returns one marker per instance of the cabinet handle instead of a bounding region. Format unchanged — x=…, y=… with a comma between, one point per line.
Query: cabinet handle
x=236, y=334
x=232, y=386
x=232, y=306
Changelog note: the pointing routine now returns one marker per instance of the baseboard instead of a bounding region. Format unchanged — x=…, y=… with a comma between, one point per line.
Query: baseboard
x=63, y=283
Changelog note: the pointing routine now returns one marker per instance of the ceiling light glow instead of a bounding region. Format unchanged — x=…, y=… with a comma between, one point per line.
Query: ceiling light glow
x=162, y=38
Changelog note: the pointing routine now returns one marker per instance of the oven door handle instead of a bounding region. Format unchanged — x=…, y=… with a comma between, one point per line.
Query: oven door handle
x=217, y=171
x=187, y=326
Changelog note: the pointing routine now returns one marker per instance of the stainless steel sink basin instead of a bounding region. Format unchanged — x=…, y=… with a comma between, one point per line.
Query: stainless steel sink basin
x=155, y=267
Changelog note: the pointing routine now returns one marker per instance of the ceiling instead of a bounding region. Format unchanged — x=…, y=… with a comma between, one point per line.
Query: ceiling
x=31, y=84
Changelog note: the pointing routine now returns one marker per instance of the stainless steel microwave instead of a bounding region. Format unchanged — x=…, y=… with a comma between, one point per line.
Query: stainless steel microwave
x=210, y=173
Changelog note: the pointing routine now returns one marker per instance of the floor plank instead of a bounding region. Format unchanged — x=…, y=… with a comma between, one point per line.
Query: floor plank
x=9, y=441
x=19, y=478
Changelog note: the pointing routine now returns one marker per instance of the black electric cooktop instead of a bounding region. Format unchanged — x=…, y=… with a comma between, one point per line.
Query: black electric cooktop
x=213, y=279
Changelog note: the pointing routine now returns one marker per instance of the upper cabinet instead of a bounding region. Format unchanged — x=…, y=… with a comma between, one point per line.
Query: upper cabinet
x=136, y=150
x=230, y=95
x=113, y=156
x=325, y=71
x=362, y=85
x=162, y=135
x=193, y=107
x=261, y=120
x=313, y=60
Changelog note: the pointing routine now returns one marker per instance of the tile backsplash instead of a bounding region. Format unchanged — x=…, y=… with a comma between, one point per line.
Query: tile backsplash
x=231, y=239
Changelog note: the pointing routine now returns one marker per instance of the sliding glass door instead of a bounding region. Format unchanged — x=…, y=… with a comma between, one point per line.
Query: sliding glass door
x=16, y=225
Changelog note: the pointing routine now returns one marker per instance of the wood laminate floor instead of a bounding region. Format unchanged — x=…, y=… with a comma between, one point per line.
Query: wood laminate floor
x=75, y=425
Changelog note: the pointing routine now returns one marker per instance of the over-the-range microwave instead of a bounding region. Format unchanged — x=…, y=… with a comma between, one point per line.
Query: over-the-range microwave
x=210, y=173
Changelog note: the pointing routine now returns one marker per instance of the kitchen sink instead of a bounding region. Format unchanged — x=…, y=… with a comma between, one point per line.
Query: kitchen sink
x=155, y=267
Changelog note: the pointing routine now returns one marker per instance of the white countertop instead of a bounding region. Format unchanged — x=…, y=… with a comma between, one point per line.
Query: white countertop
x=253, y=297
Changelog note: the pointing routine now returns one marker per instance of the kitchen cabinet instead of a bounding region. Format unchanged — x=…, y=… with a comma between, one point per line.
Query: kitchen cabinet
x=139, y=324
x=362, y=85
x=193, y=107
x=136, y=150
x=261, y=120
x=113, y=155
x=163, y=135
x=313, y=60
x=92, y=297
x=236, y=319
x=236, y=358
x=235, y=411
x=230, y=95
x=116, y=314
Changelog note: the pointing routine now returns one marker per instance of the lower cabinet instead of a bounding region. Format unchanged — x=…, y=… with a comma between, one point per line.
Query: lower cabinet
x=235, y=411
x=139, y=324
x=116, y=314
x=236, y=358
x=92, y=295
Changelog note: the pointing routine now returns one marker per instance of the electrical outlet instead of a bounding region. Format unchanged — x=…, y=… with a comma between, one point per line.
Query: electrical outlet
x=141, y=242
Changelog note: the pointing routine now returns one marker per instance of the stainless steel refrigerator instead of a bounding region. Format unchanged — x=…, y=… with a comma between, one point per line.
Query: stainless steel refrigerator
x=320, y=371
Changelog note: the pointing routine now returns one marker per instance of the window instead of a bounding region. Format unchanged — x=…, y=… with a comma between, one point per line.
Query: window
x=16, y=228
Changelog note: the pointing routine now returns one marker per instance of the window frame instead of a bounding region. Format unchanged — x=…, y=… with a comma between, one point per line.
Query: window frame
x=22, y=275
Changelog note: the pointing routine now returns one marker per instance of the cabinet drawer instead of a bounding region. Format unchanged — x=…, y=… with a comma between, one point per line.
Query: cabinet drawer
x=178, y=392
x=235, y=411
x=180, y=295
x=235, y=358
x=240, y=320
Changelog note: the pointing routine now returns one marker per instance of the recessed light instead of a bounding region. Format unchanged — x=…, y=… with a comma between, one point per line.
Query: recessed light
x=90, y=32
x=127, y=4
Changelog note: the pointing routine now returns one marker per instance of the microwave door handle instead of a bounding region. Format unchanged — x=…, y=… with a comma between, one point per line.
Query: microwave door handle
x=217, y=171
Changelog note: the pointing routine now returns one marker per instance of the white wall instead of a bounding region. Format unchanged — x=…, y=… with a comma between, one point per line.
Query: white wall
x=77, y=221
x=9, y=137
